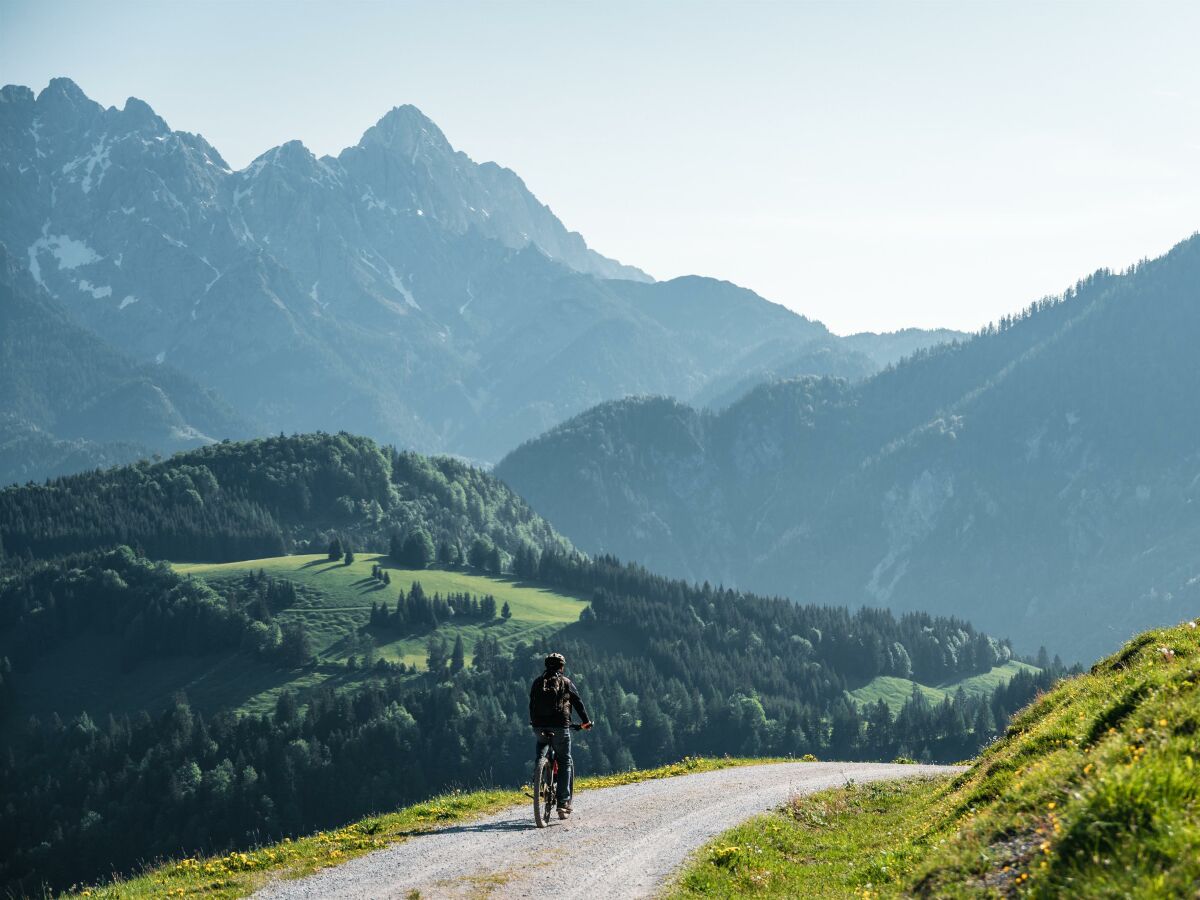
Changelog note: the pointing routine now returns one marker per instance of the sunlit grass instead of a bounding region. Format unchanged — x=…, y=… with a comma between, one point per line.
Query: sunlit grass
x=335, y=606
x=1093, y=792
x=896, y=691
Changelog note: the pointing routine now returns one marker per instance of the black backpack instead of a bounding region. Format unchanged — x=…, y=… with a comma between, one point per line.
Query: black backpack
x=553, y=700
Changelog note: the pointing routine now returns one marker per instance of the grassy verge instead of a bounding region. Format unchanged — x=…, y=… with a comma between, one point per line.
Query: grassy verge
x=239, y=874
x=1094, y=791
x=849, y=842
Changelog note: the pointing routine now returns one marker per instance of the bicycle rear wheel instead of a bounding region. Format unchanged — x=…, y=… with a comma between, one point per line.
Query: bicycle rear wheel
x=544, y=790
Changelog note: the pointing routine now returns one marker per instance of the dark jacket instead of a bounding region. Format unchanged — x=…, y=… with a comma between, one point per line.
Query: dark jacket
x=552, y=709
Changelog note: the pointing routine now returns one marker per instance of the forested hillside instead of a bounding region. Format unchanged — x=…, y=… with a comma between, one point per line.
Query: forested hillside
x=665, y=668
x=1040, y=478
x=110, y=760
x=252, y=499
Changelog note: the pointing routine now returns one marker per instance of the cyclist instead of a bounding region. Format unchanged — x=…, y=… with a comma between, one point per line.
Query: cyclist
x=551, y=699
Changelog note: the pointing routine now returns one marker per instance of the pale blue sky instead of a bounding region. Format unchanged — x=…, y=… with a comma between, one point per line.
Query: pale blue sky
x=870, y=165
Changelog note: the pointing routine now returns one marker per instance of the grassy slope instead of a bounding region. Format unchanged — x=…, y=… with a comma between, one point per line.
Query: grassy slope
x=240, y=874
x=336, y=601
x=1094, y=792
x=896, y=691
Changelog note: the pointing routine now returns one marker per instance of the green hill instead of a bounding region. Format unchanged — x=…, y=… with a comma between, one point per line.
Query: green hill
x=1092, y=792
x=149, y=708
x=248, y=499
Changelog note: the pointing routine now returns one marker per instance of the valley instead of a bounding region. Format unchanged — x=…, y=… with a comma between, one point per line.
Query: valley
x=327, y=443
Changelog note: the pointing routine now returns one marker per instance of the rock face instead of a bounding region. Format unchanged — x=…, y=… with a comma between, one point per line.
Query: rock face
x=398, y=290
x=1041, y=479
x=71, y=401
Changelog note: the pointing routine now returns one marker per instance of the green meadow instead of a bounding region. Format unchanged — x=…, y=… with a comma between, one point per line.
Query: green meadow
x=334, y=604
x=896, y=691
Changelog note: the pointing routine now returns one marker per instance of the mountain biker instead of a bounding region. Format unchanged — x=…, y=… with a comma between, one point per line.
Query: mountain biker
x=551, y=699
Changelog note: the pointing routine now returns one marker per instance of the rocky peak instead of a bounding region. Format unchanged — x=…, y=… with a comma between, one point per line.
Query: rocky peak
x=406, y=129
x=138, y=115
x=16, y=93
x=64, y=97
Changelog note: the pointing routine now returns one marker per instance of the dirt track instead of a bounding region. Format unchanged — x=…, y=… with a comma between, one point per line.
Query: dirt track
x=621, y=842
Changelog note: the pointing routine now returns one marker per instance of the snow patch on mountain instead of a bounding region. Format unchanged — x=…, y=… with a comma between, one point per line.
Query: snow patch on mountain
x=70, y=253
x=401, y=288
x=98, y=157
x=99, y=293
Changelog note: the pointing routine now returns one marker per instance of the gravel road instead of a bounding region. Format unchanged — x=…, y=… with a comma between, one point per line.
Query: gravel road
x=620, y=842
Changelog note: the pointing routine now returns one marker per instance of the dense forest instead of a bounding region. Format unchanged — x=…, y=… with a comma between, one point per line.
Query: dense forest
x=666, y=668
x=267, y=497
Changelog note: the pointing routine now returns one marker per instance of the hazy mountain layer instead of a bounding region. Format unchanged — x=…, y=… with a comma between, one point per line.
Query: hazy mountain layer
x=398, y=289
x=1042, y=478
x=70, y=401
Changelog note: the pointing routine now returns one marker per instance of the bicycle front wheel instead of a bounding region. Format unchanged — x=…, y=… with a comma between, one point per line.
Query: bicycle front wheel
x=544, y=790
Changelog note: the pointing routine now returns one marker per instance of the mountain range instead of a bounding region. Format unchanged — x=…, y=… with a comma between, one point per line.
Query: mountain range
x=73, y=401
x=1042, y=478
x=399, y=289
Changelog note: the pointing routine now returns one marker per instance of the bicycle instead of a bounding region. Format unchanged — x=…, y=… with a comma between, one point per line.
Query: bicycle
x=545, y=778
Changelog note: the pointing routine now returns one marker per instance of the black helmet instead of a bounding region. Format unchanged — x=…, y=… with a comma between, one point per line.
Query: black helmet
x=555, y=661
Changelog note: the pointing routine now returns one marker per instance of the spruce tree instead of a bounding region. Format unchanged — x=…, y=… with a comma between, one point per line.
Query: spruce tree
x=506, y=611
x=458, y=658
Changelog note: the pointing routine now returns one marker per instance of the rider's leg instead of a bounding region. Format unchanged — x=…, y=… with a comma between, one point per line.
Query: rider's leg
x=566, y=766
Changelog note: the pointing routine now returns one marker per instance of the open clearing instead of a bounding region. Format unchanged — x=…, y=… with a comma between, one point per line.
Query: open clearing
x=336, y=602
x=896, y=691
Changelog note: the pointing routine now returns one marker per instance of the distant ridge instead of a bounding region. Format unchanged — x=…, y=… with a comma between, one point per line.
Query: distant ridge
x=399, y=289
x=1039, y=478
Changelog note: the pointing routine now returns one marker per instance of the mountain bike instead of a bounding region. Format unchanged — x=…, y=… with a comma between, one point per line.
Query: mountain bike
x=545, y=778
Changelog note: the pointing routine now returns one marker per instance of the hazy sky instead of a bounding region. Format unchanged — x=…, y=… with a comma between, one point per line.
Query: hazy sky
x=870, y=165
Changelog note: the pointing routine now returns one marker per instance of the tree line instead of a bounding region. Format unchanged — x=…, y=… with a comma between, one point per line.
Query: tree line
x=262, y=498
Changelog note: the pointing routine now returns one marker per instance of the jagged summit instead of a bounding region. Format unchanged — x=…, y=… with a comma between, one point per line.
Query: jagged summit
x=398, y=289
x=16, y=93
x=65, y=89
x=139, y=113
x=403, y=128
